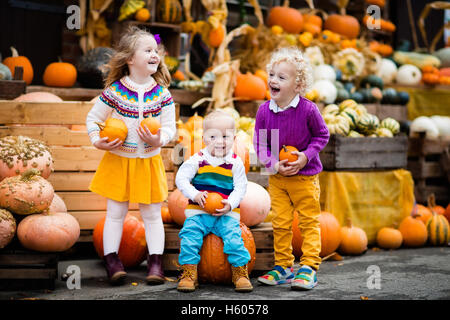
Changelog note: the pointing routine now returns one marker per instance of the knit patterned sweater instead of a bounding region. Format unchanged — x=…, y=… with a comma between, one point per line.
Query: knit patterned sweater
x=132, y=102
x=301, y=126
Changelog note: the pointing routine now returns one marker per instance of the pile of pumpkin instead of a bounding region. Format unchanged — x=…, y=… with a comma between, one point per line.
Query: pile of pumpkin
x=423, y=225
x=351, y=119
x=29, y=207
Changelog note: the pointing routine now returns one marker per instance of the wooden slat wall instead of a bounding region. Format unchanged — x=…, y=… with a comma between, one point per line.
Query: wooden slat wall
x=75, y=159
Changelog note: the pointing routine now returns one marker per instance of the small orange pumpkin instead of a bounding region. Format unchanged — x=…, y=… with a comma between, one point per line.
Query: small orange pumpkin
x=213, y=202
x=354, y=240
x=422, y=213
x=152, y=124
x=113, y=129
x=260, y=73
x=447, y=212
x=177, y=203
x=413, y=231
x=142, y=15
x=290, y=19
x=20, y=61
x=60, y=74
x=389, y=238
x=345, y=25
x=179, y=75
x=285, y=153
x=250, y=87
x=216, y=36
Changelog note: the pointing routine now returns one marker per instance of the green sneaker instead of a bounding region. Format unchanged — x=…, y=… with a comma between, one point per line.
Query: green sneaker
x=277, y=276
x=305, y=279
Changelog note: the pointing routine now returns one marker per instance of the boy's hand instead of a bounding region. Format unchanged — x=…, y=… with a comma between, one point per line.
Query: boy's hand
x=299, y=164
x=200, y=198
x=153, y=140
x=103, y=144
x=226, y=208
x=282, y=168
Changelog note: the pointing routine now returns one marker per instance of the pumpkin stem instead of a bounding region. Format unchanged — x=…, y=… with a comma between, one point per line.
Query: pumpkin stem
x=100, y=125
x=431, y=201
x=349, y=222
x=286, y=3
x=14, y=52
x=284, y=148
x=342, y=4
x=29, y=174
x=310, y=3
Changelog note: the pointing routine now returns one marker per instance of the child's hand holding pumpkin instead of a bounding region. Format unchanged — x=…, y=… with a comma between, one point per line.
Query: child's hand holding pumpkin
x=153, y=140
x=226, y=208
x=103, y=144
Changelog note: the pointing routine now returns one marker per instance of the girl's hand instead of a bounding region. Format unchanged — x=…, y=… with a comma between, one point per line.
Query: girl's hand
x=226, y=208
x=299, y=164
x=103, y=144
x=153, y=140
x=200, y=198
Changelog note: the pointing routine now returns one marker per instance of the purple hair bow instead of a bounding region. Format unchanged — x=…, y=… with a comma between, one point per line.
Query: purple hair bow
x=157, y=38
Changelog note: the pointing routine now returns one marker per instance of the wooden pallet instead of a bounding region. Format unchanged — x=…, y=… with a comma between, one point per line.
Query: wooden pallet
x=25, y=269
x=75, y=159
x=343, y=153
x=427, y=160
x=10, y=89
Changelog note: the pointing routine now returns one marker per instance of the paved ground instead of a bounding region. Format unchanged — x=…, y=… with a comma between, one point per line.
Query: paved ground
x=402, y=274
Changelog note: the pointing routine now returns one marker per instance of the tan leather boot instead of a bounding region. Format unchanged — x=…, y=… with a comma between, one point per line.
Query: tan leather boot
x=240, y=279
x=189, y=279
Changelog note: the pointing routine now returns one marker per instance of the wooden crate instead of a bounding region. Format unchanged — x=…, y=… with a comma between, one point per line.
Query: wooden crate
x=75, y=159
x=427, y=163
x=10, y=89
x=343, y=153
x=25, y=269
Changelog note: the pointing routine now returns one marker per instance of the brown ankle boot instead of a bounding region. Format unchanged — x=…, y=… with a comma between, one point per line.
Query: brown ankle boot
x=155, y=273
x=188, y=280
x=240, y=279
x=114, y=268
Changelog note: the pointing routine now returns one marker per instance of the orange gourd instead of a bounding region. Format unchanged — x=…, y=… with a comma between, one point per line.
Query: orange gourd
x=250, y=87
x=194, y=123
x=152, y=124
x=26, y=194
x=430, y=78
x=113, y=129
x=345, y=25
x=354, y=240
x=413, y=231
x=430, y=69
x=165, y=214
x=216, y=36
x=48, y=232
x=179, y=75
x=60, y=74
x=177, y=203
x=133, y=247
x=389, y=238
x=437, y=226
x=214, y=266
x=444, y=72
x=20, y=61
x=380, y=3
x=255, y=206
x=213, y=202
x=142, y=15
x=290, y=19
x=285, y=153
x=330, y=234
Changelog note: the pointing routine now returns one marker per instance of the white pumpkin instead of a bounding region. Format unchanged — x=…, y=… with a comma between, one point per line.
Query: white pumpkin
x=324, y=72
x=408, y=74
x=326, y=90
x=387, y=71
x=442, y=123
x=423, y=124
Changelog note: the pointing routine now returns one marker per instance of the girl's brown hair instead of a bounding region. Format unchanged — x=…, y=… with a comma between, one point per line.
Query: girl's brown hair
x=125, y=49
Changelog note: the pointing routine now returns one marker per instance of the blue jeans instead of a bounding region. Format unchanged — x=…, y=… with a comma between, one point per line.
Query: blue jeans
x=195, y=228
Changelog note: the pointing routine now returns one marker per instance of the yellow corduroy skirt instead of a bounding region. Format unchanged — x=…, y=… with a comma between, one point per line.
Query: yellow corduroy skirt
x=135, y=180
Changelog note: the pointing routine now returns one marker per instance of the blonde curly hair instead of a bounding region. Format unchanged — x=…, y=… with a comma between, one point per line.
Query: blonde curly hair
x=293, y=55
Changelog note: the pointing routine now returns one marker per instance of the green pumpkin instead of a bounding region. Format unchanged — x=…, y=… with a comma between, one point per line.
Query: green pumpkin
x=357, y=96
x=342, y=95
x=350, y=87
x=367, y=95
x=403, y=97
x=5, y=73
x=372, y=81
x=168, y=11
x=390, y=96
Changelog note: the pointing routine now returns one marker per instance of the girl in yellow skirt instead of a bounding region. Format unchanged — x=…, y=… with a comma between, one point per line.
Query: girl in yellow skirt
x=133, y=170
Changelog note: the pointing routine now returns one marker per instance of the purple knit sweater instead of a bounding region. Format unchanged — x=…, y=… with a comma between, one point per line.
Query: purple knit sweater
x=302, y=127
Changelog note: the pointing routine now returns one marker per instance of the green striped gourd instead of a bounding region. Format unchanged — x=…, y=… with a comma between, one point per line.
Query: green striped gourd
x=349, y=103
x=384, y=132
x=360, y=110
x=168, y=11
x=337, y=124
x=368, y=123
x=331, y=109
x=354, y=134
x=391, y=124
x=352, y=117
x=437, y=226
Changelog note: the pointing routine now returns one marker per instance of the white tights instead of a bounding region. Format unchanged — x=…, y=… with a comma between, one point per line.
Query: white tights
x=115, y=216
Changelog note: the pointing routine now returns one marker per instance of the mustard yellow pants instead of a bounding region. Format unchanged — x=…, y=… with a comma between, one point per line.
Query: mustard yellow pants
x=300, y=193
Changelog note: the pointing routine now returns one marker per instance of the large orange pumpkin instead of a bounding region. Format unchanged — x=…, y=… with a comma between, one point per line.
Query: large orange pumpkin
x=133, y=247
x=60, y=74
x=330, y=234
x=413, y=231
x=290, y=19
x=313, y=24
x=165, y=215
x=20, y=61
x=38, y=97
x=354, y=240
x=250, y=87
x=177, y=203
x=26, y=194
x=214, y=266
x=113, y=129
x=48, y=232
x=345, y=25
x=19, y=154
x=255, y=206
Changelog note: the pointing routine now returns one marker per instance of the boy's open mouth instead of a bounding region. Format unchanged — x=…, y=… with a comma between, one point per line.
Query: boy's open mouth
x=274, y=89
